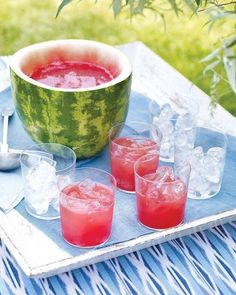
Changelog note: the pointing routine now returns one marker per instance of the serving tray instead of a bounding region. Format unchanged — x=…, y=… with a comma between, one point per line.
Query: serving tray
x=38, y=247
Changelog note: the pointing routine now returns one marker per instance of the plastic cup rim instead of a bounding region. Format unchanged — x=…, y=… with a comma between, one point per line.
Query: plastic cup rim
x=91, y=168
x=141, y=137
x=151, y=181
x=113, y=183
x=47, y=144
x=217, y=130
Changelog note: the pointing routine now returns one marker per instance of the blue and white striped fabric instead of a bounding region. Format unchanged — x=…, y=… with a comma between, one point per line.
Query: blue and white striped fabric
x=201, y=263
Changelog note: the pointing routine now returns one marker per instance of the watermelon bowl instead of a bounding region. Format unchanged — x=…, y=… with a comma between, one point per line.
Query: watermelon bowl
x=79, y=118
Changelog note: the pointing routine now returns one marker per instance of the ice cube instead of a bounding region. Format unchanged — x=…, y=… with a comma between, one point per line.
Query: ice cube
x=155, y=133
x=117, y=151
x=155, y=121
x=205, y=178
x=197, y=157
x=166, y=112
x=73, y=204
x=40, y=175
x=181, y=155
x=206, y=171
x=86, y=185
x=41, y=187
x=93, y=205
x=167, y=147
x=167, y=144
x=191, y=134
x=135, y=145
x=197, y=174
x=51, y=191
x=37, y=202
x=166, y=127
x=178, y=187
x=184, y=140
x=164, y=193
x=133, y=155
x=106, y=197
x=185, y=122
x=150, y=177
x=212, y=168
x=199, y=185
x=172, y=190
x=196, y=171
x=181, y=139
x=164, y=174
x=217, y=153
x=196, y=161
x=213, y=175
x=152, y=191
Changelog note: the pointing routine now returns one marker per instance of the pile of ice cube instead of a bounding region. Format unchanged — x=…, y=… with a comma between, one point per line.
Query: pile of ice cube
x=177, y=131
x=165, y=187
x=41, y=187
x=178, y=146
x=89, y=195
x=206, y=171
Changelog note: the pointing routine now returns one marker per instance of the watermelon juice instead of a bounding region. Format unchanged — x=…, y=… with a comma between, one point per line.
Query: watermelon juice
x=160, y=198
x=72, y=74
x=124, y=151
x=86, y=210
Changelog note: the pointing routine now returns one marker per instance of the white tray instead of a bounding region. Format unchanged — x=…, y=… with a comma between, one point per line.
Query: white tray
x=39, y=255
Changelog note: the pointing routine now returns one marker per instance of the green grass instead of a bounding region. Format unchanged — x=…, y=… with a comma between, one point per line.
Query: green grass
x=183, y=44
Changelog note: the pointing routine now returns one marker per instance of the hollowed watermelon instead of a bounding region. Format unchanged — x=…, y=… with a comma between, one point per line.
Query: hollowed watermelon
x=79, y=118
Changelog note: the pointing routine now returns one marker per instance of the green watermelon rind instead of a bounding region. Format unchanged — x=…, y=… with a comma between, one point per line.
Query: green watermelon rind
x=80, y=120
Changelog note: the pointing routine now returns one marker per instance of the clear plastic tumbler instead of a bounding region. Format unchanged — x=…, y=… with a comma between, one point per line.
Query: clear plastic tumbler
x=86, y=206
x=161, y=194
x=41, y=165
x=128, y=142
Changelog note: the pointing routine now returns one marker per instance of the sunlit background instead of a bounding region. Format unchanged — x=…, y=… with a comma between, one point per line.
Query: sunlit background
x=183, y=43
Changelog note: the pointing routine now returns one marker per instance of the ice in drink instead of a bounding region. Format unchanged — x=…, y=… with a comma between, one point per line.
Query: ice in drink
x=86, y=210
x=161, y=198
x=124, y=151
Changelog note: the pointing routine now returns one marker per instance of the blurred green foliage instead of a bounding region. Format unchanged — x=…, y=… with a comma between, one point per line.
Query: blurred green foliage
x=184, y=42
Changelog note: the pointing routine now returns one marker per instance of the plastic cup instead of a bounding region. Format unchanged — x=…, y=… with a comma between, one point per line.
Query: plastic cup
x=128, y=142
x=86, y=206
x=173, y=126
x=207, y=160
x=161, y=193
x=41, y=165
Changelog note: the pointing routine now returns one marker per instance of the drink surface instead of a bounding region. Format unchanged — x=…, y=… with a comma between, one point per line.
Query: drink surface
x=124, y=151
x=86, y=213
x=72, y=74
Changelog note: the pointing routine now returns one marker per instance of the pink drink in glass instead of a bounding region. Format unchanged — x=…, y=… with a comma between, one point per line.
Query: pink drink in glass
x=124, y=151
x=161, y=198
x=86, y=210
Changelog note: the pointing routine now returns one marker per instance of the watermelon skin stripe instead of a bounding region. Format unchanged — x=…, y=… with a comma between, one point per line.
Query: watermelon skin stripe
x=80, y=120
